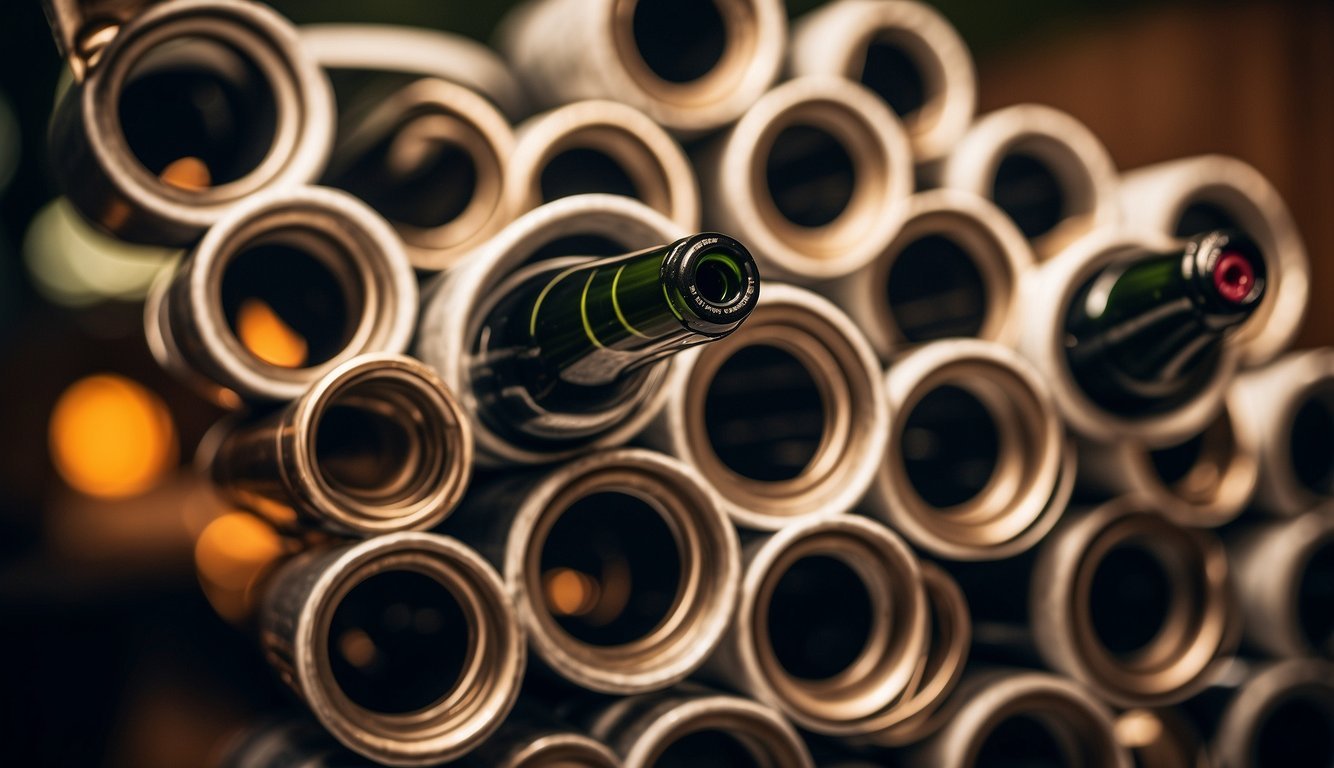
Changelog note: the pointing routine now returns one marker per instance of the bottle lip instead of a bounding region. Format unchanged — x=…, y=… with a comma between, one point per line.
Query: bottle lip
x=1228, y=270
x=691, y=267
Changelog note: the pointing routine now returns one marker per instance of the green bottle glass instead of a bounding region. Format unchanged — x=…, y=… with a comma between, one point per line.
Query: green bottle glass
x=1144, y=336
x=572, y=337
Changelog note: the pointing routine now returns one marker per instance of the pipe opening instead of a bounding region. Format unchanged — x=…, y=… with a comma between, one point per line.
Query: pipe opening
x=197, y=112
x=381, y=442
x=680, y=40
x=810, y=175
x=399, y=641
x=950, y=446
x=820, y=618
x=1195, y=468
x=764, y=413
x=1025, y=740
x=1202, y=217
x=894, y=74
x=1130, y=598
x=1297, y=733
x=611, y=569
x=1315, y=596
x=1311, y=444
x=582, y=170
x=709, y=748
x=936, y=291
x=421, y=174
x=290, y=300
x=1031, y=193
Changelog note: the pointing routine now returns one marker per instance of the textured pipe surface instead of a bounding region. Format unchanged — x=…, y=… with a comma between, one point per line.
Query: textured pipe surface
x=811, y=178
x=999, y=715
x=723, y=55
x=785, y=418
x=415, y=51
x=955, y=268
x=526, y=741
x=1289, y=407
x=166, y=180
x=314, y=267
x=1043, y=342
x=1045, y=169
x=455, y=306
x=689, y=725
x=1285, y=583
x=1187, y=196
x=906, y=52
x=831, y=679
x=601, y=146
x=1205, y=480
x=431, y=157
x=446, y=695
x=376, y=445
x=622, y=569
x=975, y=452
x=1282, y=714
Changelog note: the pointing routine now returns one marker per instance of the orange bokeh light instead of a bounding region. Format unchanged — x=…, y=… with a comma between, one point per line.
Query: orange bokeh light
x=111, y=438
x=231, y=555
x=267, y=337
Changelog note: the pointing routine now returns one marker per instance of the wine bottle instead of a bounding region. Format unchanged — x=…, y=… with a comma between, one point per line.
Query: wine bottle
x=576, y=337
x=1144, y=335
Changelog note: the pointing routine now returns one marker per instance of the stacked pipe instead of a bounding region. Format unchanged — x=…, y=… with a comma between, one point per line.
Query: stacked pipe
x=553, y=480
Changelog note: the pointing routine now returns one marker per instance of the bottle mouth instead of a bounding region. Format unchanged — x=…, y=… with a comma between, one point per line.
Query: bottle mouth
x=1231, y=271
x=712, y=282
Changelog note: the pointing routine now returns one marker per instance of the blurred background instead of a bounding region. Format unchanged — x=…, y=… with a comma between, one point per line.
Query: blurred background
x=111, y=653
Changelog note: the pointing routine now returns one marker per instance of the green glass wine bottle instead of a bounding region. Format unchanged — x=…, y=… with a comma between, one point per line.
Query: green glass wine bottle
x=573, y=337
x=1144, y=336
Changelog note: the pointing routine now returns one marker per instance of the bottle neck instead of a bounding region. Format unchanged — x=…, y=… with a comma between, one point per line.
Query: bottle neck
x=1143, y=334
x=566, y=339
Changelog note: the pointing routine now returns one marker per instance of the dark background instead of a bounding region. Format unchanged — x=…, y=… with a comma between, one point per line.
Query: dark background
x=111, y=656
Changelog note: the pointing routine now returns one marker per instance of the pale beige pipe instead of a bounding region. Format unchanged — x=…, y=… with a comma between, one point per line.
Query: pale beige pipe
x=996, y=254
x=1043, y=341
x=1289, y=407
x=1269, y=697
x=1158, y=196
x=860, y=698
x=569, y=50
x=822, y=344
x=737, y=199
x=1080, y=164
x=835, y=40
x=1280, y=566
x=647, y=154
x=1015, y=508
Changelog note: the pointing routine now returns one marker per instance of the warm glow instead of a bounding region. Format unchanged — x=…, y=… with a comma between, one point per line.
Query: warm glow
x=1138, y=728
x=268, y=337
x=231, y=555
x=188, y=173
x=569, y=592
x=357, y=647
x=111, y=438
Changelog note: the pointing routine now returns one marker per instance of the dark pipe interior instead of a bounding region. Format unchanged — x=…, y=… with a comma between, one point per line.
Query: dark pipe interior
x=371, y=444
x=1023, y=741
x=195, y=97
x=820, y=617
x=302, y=291
x=418, y=176
x=1028, y=190
x=810, y=174
x=1315, y=600
x=1203, y=217
x=1312, y=444
x=1175, y=462
x=1129, y=598
x=708, y=749
x=629, y=564
x=1298, y=733
x=680, y=40
x=764, y=414
x=950, y=446
x=893, y=73
x=398, y=642
x=935, y=290
x=584, y=170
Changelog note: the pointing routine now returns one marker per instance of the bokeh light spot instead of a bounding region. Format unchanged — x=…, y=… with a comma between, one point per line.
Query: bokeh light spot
x=111, y=438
